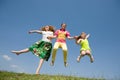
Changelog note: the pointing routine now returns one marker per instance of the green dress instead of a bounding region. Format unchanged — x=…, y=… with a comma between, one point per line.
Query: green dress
x=84, y=45
x=42, y=49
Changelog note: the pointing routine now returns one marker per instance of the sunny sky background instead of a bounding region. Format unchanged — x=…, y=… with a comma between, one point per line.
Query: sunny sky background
x=100, y=18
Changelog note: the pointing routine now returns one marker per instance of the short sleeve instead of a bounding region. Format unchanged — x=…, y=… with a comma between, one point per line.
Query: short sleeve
x=56, y=33
x=67, y=34
x=42, y=32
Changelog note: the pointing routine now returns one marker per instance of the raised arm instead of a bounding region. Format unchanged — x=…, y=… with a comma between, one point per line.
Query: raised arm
x=87, y=36
x=35, y=31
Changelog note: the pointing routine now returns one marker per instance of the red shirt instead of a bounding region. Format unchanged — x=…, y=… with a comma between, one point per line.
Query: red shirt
x=61, y=35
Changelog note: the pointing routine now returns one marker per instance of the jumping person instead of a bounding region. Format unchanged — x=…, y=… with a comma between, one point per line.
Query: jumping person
x=61, y=36
x=85, y=48
x=42, y=48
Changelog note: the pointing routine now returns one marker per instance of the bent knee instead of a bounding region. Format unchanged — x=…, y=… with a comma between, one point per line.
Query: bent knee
x=83, y=53
x=88, y=52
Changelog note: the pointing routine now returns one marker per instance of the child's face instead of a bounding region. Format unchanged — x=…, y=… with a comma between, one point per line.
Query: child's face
x=47, y=28
x=83, y=36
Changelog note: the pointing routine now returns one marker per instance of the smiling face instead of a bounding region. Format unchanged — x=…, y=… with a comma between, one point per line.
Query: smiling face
x=46, y=28
x=83, y=35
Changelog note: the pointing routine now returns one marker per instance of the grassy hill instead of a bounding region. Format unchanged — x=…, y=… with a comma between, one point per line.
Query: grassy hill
x=4, y=75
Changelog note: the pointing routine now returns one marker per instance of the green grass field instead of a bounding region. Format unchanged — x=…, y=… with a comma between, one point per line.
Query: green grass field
x=4, y=75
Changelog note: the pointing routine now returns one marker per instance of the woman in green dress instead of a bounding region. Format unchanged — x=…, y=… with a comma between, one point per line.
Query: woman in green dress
x=42, y=48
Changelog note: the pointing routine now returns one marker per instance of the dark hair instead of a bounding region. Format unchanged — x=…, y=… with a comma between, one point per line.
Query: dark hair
x=63, y=23
x=80, y=36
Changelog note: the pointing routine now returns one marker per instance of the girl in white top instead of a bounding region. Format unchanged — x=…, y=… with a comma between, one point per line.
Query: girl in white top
x=42, y=48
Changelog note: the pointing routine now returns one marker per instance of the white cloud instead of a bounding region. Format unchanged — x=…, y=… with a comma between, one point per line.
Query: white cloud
x=6, y=57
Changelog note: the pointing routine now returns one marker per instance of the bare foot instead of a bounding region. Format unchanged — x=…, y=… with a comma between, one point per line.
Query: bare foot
x=92, y=60
x=16, y=52
x=52, y=63
x=65, y=64
x=78, y=59
x=37, y=73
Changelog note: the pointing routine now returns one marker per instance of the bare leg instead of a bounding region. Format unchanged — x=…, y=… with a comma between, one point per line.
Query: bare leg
x=20, y=51
x=81, y=55
x=90, y=55
x=39, y=66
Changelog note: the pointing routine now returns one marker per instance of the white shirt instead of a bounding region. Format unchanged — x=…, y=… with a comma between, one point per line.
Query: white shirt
x=45, y=34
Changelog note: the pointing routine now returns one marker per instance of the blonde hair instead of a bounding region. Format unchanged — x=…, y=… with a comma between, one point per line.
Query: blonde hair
x=51, y=28
x=81, y=36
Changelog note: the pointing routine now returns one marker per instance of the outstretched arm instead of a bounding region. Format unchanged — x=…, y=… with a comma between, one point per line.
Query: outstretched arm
x=51, y=37
x=35, y=31
x=69, y=37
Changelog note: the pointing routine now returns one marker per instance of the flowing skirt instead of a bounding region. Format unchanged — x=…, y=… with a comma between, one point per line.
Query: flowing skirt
x=42, y=49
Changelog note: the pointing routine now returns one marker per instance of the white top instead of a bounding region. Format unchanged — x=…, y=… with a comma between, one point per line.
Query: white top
x=45, y=34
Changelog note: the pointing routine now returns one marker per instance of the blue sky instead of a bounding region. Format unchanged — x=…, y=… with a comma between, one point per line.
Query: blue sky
x=100, y=18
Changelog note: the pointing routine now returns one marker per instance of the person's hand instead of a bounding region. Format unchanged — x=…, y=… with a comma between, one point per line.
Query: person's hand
x=75, y=37
x=30, y=32
x=48, y=37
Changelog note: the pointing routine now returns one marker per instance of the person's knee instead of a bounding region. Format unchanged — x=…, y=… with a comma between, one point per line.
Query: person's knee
x=54, y=50
x=64, y=48
x=65, y=51
x=83, y=53
x=88, y=52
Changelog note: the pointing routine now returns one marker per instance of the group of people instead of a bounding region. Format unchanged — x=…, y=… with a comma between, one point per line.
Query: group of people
x=43, y=47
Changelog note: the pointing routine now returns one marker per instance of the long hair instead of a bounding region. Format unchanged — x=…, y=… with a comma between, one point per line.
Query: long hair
x=77, y=38
x=81, y=36
x=51, y=28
